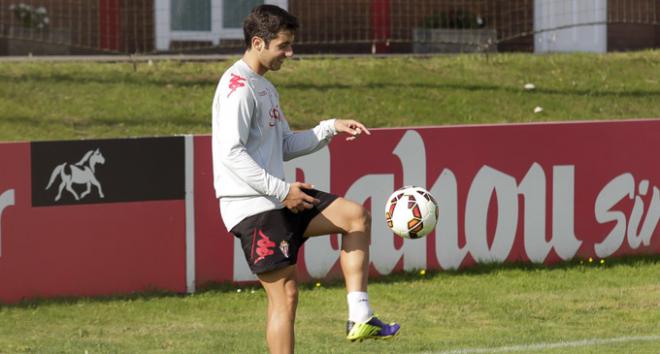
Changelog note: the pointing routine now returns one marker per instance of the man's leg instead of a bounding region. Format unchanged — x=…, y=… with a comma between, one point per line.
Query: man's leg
x=282, y=290
x=353, y=221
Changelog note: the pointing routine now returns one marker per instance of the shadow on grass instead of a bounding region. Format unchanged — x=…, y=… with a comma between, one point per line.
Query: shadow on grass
x=211, y=82
x=125, y=122
x=226, y=287
x=474, y=88
x=489, y=268
x=36, y=302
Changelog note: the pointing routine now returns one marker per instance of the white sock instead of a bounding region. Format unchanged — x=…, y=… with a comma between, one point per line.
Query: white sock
x=358, y=306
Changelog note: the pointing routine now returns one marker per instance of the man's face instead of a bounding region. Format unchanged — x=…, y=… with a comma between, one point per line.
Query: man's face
x=278, y=49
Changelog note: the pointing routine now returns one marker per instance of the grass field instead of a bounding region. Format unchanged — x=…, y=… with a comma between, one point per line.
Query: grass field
x=570, y=308
x=486, y=307
x=85, y=100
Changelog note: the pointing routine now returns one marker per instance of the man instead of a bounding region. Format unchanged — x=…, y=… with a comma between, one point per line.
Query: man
x=273, y=218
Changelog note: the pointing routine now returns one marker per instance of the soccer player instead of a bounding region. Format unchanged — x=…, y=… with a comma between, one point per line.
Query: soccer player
x=273, y=218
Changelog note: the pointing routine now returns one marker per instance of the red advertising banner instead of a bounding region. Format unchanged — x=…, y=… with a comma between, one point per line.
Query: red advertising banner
x=92, y=238
x=214, y=256
x=102, y=217
x=540, y=193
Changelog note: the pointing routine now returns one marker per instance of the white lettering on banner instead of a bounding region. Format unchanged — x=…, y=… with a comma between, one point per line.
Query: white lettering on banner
x=7, y=199
x=489, y=181
x=486, y=182
x=533, y=187
x=383, y=254
x=564, y=239
x=448, y=253
x=412, y=154
x=651, y=221
x=610, y=195
x=617, y=189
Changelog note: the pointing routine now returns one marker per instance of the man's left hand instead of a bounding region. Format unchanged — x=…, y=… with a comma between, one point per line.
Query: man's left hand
x=351, y=127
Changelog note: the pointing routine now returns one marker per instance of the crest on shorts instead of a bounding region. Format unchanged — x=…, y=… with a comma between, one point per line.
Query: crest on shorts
x=284, y=247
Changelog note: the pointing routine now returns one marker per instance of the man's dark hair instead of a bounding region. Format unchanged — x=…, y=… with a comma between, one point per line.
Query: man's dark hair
x=265, y=22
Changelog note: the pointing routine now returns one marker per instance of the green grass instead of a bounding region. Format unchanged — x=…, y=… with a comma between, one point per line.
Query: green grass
x=485, y=307
x=92, y=100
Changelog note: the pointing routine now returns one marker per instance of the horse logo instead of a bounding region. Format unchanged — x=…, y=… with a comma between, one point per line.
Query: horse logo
x=79, y=173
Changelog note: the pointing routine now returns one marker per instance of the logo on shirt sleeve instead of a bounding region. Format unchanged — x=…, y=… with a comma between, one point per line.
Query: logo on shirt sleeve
x=235, y=82
x=275, y=116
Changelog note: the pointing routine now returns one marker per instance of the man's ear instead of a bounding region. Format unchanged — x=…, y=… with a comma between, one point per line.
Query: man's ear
x=258, y=43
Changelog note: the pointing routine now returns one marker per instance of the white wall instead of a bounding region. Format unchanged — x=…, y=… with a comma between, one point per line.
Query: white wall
x=570, y=25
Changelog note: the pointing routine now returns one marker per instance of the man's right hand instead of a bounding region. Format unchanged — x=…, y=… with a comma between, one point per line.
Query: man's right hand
x=297, y=200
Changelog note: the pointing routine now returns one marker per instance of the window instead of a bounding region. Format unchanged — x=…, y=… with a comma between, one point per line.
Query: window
x=202, y=20
x=190, y=15
x=233, y=12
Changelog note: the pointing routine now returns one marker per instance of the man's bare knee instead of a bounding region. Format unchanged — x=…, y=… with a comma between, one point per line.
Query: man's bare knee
x=361, y=221
x=286, y=303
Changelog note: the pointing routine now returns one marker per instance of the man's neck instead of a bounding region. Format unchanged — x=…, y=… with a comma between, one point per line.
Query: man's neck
x=253, y=62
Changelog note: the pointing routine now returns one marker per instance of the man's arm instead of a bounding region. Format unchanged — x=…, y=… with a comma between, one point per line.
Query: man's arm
x=232, y=120
x=297, y=144
x=306, y=142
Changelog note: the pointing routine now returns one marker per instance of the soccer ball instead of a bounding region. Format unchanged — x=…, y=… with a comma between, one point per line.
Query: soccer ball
x=411, y=212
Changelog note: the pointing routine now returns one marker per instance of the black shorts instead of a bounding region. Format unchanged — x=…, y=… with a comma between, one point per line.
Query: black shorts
x=271, y=239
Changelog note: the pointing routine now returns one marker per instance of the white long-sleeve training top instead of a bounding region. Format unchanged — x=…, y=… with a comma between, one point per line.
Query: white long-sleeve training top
x=251, y=139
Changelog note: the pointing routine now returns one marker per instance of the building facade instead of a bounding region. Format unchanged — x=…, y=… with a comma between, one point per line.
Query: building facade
x=43, y=27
